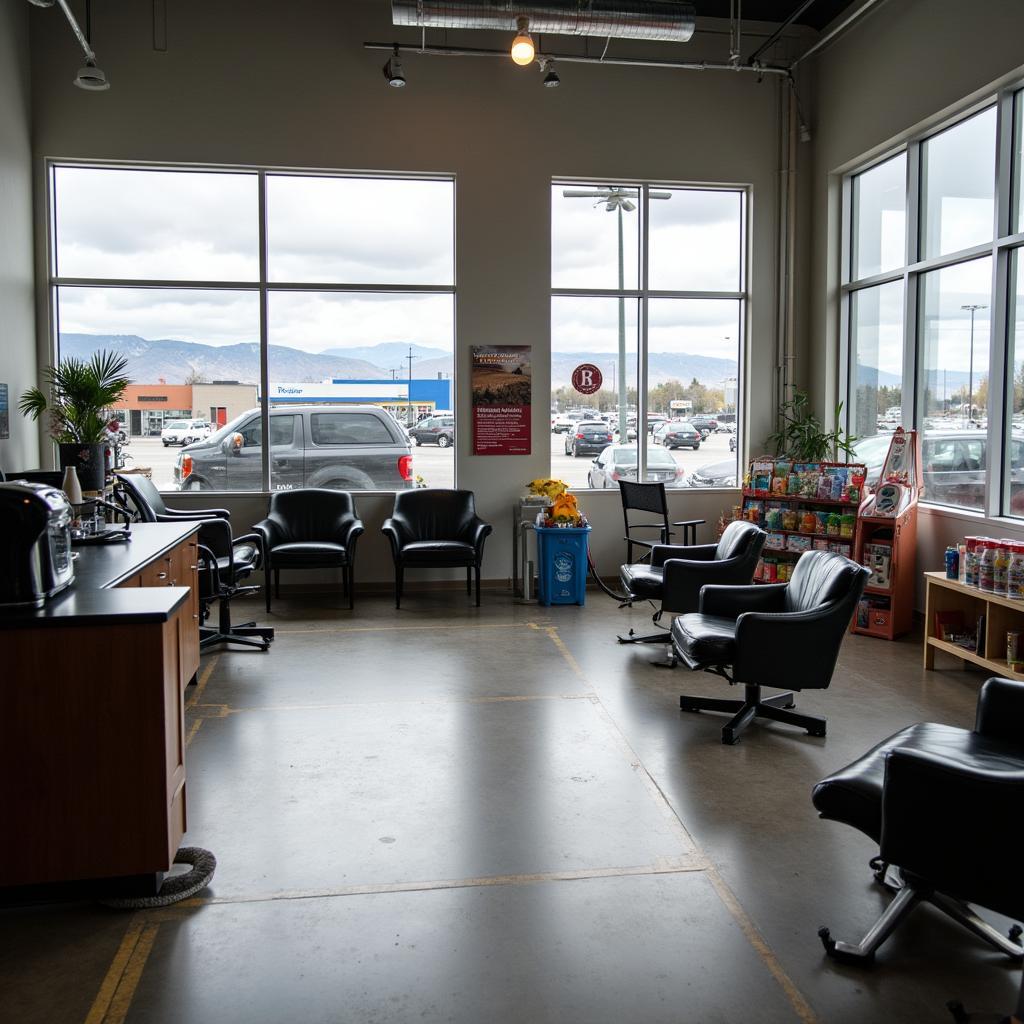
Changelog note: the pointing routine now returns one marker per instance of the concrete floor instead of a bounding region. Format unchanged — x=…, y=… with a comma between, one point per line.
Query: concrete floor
x=447, y=813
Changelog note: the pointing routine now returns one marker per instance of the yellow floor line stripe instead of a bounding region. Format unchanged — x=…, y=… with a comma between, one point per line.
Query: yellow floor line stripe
x=98, y=1010
x=803, y=1009
x=447, y=627
x=122, y=1000
x=663, y=866
x=193, y=729
x=204, y=678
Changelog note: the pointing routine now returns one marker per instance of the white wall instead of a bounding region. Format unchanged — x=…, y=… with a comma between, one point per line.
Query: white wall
x=291, y=85
x=17, y=311
x=906, y=65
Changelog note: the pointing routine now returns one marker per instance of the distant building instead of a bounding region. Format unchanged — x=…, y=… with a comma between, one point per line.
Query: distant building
x=145, y=408
x=425, y=395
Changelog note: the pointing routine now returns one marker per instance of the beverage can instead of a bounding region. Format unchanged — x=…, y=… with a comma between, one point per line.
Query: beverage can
x=1013, y=648
x=952, y=563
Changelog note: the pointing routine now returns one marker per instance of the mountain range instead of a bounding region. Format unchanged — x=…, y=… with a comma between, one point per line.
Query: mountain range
x=169, y=361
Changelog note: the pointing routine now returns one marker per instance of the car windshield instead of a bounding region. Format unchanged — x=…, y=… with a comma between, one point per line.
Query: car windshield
x=176, y=425
x=655, y=457
x=681, y=425
x=593, y=426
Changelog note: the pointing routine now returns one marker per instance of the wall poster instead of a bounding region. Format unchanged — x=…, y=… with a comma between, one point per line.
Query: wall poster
x=502, y=397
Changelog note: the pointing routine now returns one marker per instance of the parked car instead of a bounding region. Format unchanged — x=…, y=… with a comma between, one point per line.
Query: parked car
x=185, y=432
x=618, y=462
x=681, y=434
x=439, y=430
x=654, y=420
x=705, y=424
x=589, y=438
x=714, y=474
x=732, y=442
x=347, y=447
x=567, y=420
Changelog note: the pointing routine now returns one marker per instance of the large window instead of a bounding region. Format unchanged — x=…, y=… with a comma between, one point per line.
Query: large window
x=223, y=340
x=930, y=308
x=648, y=285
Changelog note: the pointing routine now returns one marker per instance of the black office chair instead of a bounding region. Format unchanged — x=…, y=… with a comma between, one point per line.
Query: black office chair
x=436, y=529
x=675, y=574
x=651, y=498
x=943, y=804
x=224, y=560
x=783, y=635
x=310, y=528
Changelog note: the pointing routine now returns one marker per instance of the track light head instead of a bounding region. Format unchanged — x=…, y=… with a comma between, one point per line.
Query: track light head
x=547, y=69
x=91, y=78
x=393, y=71
x=522, y=46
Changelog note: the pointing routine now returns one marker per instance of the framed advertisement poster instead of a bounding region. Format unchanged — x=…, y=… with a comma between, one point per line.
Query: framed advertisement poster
x=502, y=397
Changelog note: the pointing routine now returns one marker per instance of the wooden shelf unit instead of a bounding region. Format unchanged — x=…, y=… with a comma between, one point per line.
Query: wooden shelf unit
x=899, y=535
x=1001, y=615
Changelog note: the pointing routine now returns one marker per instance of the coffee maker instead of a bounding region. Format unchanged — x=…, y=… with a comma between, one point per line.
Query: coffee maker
x=35, y=544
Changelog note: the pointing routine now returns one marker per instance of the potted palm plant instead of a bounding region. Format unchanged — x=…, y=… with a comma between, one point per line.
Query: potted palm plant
x=802, y=437
x=82, y=393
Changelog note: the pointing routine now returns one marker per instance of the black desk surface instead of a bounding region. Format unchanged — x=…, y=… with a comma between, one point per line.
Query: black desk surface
x=92, y=599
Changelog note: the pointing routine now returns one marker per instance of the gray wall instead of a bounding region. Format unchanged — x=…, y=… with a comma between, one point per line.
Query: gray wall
x=291, y=85
x=906, y=65
x=17, y=311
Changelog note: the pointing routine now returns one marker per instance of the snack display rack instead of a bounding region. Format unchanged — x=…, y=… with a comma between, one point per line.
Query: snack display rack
x=802, y=506
x=887, y=542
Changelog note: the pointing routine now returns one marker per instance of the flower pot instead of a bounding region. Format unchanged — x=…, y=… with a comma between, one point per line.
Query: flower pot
x=89, y=461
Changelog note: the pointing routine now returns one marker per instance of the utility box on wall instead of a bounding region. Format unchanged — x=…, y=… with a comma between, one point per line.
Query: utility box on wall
x=562, y=564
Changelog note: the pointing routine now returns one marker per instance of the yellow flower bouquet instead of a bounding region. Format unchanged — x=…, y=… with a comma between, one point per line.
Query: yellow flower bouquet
x=564, y=509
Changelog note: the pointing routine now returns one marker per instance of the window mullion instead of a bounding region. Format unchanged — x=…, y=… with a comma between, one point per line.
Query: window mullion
x=912, y=362
x=641, y=374
x=264, y=334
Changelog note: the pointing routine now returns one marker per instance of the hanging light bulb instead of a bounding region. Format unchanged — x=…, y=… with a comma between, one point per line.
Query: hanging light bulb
x=522, y=45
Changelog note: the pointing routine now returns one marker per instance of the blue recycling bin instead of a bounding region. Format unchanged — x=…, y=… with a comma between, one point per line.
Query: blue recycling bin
x=562, y=564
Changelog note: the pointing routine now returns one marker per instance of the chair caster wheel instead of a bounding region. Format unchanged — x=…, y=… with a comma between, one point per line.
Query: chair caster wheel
x=729, y=738
x=818, y=730
x=840, y=955
x=960, y=1015
x=1015, y=933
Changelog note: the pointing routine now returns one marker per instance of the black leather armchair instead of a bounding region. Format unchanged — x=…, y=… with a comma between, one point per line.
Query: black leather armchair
x=779, y=635
x=436, y=529
x=310, y=528
x=943, y=804
x=676, y=573
x=149, y=502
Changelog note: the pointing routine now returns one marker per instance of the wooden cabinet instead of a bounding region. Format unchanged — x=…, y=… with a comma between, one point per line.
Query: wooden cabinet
x=1002, y=615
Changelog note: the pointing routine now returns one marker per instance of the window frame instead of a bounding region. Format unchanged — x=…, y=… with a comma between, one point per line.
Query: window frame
x=262, y=285
x=1002, y=245
x=643, y=294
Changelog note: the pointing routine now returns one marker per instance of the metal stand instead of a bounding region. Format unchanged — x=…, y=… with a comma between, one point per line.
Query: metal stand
x=753, y=706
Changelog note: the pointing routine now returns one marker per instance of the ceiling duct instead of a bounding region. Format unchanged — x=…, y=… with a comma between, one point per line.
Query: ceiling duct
x=663, y=20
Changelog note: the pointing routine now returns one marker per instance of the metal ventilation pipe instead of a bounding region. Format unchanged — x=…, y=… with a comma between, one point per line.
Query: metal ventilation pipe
x=663, y=20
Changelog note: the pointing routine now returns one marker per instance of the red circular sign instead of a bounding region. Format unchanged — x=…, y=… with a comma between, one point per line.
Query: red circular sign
x=587, y=379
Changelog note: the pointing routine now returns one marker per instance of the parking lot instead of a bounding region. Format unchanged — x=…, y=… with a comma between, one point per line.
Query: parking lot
x=436, y=465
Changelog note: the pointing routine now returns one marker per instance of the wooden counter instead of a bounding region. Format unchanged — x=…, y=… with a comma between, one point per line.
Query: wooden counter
x=92, y=735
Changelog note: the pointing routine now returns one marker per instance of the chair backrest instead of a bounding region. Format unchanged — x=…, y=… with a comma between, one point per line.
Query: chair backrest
x=738, y=539
x=820, y=578
x=311, y=513
x=435, y=513
x=144, y=496
x=648, y=498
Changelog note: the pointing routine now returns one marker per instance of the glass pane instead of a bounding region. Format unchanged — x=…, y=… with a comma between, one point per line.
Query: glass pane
x=954, y=339
x=880, y=218
x=957, y=186
x=193, y=358
x=344, y=358
x=360, y=230
x=1015, y=455
x=595, y=232
x=1017, y=205
x=155, y=225
x=692, y=376
x=876, y=343
x=696, y=240
x=587, y=429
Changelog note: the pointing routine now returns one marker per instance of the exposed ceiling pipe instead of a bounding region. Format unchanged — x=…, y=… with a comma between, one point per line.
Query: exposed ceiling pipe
x=841, y=27
x=573, y=58
x=662, y=20
x=79, y=34
x=770, y=41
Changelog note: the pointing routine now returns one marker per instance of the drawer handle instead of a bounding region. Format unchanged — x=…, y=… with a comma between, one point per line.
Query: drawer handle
x=195, y=567
x=161, y=575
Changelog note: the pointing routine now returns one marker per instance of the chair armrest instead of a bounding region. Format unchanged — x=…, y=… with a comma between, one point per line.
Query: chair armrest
x=270, y=531
x=661, y=553
x=683, y=581
x=1001, y=710
x=951, y=822
x=792, y=650
x=348, y=533
x=398, y=533
x=198, y=513
x=732, y=602
x=477, y=531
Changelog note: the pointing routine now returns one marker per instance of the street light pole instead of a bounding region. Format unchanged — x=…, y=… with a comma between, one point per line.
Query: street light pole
x=618, y=199
x=408, y=397
x=973, y=307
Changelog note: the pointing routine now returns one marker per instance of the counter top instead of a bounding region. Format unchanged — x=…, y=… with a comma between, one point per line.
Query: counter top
x=93, y=598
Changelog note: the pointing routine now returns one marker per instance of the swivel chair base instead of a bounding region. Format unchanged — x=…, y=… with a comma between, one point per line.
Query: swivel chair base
x=632, y=637
x=248, y=634
x=753, y=706
x=909, y=892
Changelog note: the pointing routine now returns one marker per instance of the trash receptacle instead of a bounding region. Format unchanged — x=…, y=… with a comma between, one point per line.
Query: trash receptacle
x=562, y=564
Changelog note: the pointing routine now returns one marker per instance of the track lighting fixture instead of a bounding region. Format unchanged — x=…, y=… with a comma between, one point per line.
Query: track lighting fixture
x=522, y=46
x=393, y=71
x=547, y=69
x=91, y=78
